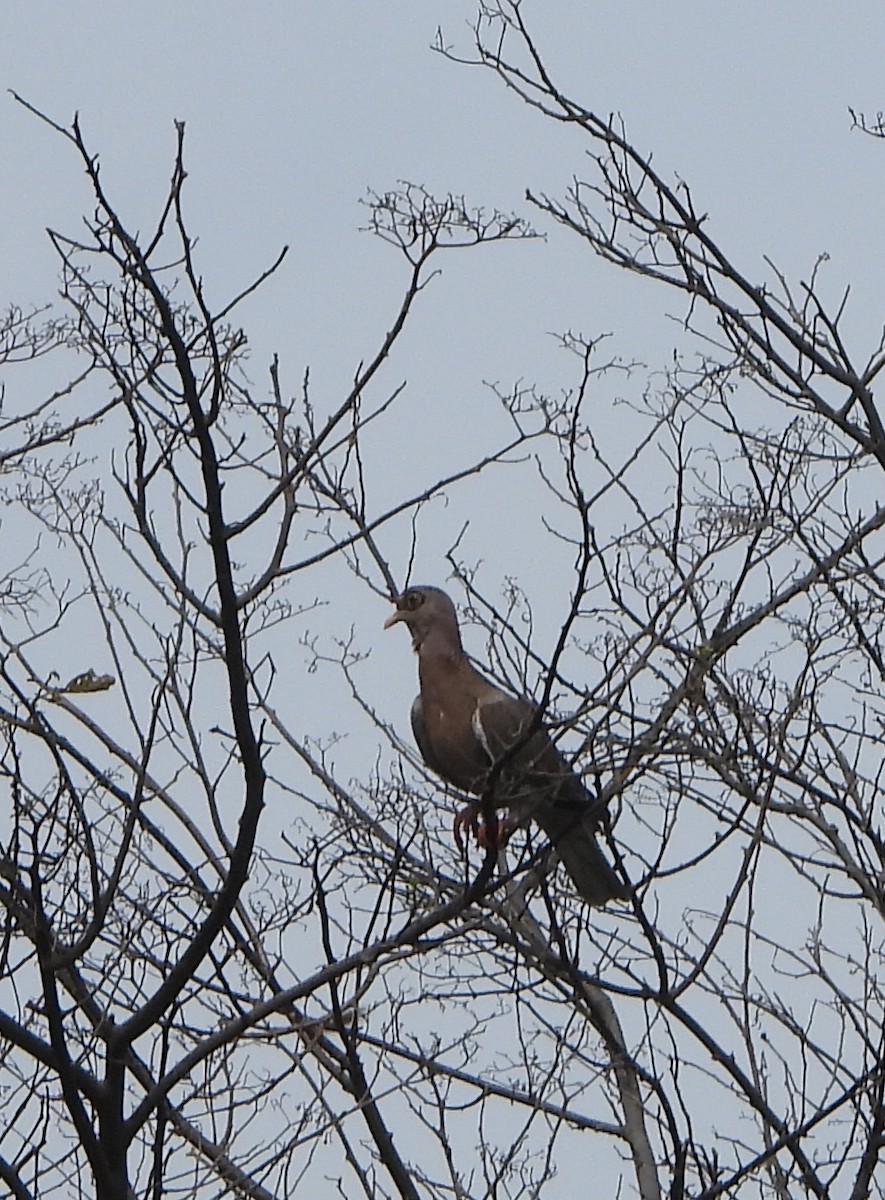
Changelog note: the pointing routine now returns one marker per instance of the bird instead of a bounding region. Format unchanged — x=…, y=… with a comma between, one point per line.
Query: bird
x=482, y=739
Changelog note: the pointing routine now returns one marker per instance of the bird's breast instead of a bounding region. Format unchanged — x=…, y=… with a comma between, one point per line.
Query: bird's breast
x=455, y=747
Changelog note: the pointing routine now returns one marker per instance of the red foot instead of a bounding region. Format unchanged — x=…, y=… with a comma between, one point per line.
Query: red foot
x=490, y=835
x=468, y=818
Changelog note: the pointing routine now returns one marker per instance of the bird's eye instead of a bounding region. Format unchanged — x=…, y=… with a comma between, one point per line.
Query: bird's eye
x=414, y=600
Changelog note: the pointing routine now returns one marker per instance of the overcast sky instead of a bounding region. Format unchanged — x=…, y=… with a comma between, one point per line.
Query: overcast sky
x=293, y=110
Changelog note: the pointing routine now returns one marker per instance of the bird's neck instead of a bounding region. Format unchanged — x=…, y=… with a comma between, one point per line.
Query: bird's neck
x=439, y=656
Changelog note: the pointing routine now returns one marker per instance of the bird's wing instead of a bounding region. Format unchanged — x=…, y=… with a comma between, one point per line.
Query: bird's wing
x=540, y=784
x=532, y=767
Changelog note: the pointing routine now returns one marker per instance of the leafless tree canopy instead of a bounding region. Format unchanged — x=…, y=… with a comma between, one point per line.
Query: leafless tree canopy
x=230, y=966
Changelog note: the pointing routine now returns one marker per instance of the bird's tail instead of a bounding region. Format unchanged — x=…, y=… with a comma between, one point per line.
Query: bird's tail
x=581, y=855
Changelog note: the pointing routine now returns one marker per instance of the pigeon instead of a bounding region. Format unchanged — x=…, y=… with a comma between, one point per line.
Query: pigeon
x=482, y=739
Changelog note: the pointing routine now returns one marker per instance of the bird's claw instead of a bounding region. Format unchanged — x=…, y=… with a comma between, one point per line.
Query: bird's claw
x=490, y=834
x=468, y=818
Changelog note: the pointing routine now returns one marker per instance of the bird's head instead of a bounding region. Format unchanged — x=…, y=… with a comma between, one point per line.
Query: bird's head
x=425, y=610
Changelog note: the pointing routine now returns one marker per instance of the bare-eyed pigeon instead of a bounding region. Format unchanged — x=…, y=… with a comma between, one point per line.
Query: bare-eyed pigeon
x=464, y=725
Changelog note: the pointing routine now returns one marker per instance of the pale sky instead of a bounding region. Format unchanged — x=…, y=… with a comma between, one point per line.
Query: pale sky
x=293, y=110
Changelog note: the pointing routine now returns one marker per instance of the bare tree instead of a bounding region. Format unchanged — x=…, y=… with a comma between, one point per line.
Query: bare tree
x=228, y=965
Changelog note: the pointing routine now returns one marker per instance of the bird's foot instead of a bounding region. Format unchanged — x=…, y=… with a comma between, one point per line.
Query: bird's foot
x=468, y=818
x=490, y=835
x=495, y=834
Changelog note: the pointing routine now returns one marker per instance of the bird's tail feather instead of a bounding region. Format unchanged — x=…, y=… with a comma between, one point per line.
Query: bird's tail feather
x=592, y=875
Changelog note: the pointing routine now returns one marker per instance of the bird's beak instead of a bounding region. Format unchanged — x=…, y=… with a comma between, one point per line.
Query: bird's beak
x=398, y=615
